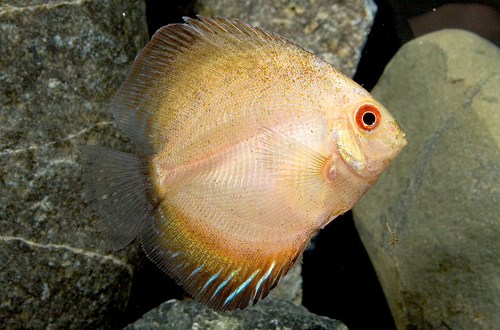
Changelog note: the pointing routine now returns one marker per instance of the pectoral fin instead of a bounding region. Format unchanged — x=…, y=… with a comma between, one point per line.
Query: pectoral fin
x=290, y=161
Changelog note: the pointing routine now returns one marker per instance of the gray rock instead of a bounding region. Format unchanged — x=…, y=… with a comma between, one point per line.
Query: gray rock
x=61, y=63
x=268, y=314
x=441, y=195
x=335, y=30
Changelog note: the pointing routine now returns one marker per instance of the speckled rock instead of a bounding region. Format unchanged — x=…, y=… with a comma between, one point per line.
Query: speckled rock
x=61, y=63
x=268, y=314
x=441, y=195
x=334, y=30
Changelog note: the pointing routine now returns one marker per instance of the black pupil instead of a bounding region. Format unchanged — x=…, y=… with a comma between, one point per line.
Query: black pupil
x=368, y=118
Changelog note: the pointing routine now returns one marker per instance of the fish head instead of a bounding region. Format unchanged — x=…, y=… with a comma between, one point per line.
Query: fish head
x=366, y=136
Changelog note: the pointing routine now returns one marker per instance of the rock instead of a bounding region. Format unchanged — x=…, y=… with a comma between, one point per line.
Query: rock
x=270, y=313
x=441, y=195
x=61, y=63
x=336, y=30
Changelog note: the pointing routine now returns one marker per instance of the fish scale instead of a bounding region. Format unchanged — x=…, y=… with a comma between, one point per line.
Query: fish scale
x=250, y=146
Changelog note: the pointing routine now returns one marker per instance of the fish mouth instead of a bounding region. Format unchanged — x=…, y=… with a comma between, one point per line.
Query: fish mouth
x=400, y=135
x=400, y=140
x=399, y=143
x=403, y=137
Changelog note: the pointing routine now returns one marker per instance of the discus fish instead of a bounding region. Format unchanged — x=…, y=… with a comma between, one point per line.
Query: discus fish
x=251, y=145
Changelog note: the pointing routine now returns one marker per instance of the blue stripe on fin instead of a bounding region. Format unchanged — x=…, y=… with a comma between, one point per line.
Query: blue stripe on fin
x=173, y=255
x=194, y=272
x=241, y=287
x=263, y=278
x=224, y=283
x=210, y=280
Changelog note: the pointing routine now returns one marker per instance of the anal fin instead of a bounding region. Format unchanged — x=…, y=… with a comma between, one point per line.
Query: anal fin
x=211, y=269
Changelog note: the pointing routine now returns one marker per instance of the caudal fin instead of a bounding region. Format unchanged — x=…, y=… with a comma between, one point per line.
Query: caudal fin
x=118, y=190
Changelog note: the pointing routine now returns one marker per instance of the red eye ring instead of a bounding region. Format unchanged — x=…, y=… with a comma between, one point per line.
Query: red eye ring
x=367, y=117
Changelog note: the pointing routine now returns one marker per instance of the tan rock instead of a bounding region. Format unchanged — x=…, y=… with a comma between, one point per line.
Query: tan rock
x=441, y=195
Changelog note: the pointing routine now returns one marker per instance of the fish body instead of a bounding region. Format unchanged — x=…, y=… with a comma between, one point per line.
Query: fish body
x=251, y=145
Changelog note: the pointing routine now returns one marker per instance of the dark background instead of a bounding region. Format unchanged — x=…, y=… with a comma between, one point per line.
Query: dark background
x=339, y=280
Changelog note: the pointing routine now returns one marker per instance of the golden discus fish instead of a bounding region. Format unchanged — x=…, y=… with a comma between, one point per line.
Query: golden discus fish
x=251, y=145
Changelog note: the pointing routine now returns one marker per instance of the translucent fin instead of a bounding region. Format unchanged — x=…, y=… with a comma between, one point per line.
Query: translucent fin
x=217, y=275
x=290, y=161
x=168, y=70
x=117, y=189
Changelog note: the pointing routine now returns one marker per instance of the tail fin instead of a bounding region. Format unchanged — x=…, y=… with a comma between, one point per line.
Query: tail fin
x=117, y=189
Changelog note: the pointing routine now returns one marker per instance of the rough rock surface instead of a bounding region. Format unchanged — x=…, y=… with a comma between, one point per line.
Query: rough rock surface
x=441, y=195
x=335, y=30
x=61, y=63
x=269, y=314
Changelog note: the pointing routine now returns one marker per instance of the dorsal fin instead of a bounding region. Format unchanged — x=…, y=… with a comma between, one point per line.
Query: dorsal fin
x=161, y=70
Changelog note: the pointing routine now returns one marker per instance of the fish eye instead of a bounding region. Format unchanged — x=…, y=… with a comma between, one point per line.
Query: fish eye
x=367, y=117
